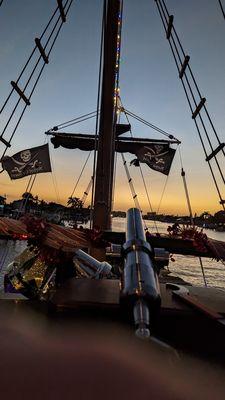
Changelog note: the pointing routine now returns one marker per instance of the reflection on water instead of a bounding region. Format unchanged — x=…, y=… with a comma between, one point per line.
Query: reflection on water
x=186, y=267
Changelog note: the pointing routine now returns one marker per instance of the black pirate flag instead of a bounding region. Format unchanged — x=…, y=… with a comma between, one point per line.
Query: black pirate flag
x=28, y=162
x=157, y=156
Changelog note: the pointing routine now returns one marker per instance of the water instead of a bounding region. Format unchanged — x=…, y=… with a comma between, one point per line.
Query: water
x=186, y=267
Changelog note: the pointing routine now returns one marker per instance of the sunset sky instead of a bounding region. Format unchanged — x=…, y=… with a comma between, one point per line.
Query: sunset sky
x=149, y=87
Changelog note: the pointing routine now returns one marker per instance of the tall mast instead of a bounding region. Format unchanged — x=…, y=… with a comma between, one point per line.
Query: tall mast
x=106, y=143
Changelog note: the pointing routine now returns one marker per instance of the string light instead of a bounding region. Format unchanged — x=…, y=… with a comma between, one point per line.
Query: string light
x=118, y=45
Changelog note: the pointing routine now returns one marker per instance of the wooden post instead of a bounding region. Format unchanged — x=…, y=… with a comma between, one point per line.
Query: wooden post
x=106, y=144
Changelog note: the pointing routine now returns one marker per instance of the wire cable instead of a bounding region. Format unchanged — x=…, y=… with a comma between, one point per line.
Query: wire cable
x=76, y=120
x=156, y=128
x=190, y=211
x=142, y=175
x=222, y=9
x=162, y=195
x=81, y=173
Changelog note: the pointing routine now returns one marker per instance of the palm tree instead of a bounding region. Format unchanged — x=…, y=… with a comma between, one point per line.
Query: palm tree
x=75, y=202
x=28, y=199
x=205, y=215
x=219, y=216
x=27, y=195
x=2, y=200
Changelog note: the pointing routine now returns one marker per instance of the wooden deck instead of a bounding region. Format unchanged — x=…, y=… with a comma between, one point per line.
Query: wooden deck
x=88, y=292
x=98, y=302
x=106, y=293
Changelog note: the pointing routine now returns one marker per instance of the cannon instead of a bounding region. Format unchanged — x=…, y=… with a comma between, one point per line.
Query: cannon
x=140, y=281
x=90, y=267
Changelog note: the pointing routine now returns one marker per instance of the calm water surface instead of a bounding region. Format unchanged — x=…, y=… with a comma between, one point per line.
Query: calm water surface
x=186, y=267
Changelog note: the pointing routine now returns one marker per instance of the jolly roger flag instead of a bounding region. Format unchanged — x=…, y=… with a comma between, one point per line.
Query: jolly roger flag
x=28, y=162
x=157, y=157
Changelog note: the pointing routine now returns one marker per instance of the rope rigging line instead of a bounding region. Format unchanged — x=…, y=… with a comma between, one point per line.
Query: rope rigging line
x=73, y=121
x=29, y=58
x=163, y=10
x=114, y=171
x=203, y=272
x=80, y=175
x=202, y=103
x=149, y=124
x=114, y=179
x=53, y=175
x=222, y=9
x=30, y=188
x=82, y=120
x=27, y=190
x=162, y=195
x=133, y=193
x=86, y=192
x=203, y=145
x=190, y=210
x=149, y=202
x=164, y=14
x=55, y=185
x=141, y=171
x=188, y=66
x=7, y=143
x=130, y=181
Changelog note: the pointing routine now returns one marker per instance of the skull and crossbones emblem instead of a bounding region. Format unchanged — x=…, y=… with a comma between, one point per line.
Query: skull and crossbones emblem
x=26, y=160
x=25, y=155
x=155, y=154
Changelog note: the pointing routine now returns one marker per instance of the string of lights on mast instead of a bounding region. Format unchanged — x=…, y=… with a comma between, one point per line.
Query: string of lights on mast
x=117, y=89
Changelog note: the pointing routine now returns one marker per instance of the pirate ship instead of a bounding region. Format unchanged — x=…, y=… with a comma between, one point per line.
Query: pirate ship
x=126, y=284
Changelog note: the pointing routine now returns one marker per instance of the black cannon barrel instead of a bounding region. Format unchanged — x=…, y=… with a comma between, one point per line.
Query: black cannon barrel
x=140, y=279
x=135, y=228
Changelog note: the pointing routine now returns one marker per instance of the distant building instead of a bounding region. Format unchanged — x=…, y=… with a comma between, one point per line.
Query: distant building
x=152, y=213
x=118, y=214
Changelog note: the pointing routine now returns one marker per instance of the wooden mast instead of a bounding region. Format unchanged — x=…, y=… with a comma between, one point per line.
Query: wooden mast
x=106, y=144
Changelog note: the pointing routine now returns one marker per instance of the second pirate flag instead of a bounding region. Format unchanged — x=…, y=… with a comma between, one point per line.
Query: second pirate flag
x=28, y=162
x=157, y=157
